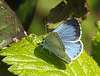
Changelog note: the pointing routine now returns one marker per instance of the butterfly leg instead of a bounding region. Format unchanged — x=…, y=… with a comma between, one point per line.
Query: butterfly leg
x=42, y=47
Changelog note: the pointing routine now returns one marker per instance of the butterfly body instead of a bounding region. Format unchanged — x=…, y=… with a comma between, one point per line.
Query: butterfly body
x=65, y=41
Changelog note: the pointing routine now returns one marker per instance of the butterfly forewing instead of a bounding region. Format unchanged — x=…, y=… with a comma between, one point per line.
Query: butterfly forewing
x=69, y=30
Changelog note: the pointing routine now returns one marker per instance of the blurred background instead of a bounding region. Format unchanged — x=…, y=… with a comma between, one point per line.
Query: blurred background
x=33, y=15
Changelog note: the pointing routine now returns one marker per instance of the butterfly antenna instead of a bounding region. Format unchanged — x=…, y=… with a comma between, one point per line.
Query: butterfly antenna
x=46, y=27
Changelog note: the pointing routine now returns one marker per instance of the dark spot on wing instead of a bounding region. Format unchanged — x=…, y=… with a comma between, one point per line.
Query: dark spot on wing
x=77, y=53
x=74, y=56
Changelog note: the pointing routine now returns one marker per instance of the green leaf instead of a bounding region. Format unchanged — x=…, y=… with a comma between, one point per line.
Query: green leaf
x=10, y=26
x=4, y=69
x=28, y=59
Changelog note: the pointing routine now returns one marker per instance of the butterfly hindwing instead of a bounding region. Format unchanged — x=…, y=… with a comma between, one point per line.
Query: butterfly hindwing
x=73, y=49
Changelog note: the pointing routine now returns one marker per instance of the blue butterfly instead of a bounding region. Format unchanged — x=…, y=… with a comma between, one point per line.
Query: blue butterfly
x=65, y=41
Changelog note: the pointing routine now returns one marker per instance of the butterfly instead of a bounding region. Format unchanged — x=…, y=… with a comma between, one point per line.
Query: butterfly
x=65, y=41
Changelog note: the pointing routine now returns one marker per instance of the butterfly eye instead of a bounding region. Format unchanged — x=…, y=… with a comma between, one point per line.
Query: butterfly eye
x=43, y=39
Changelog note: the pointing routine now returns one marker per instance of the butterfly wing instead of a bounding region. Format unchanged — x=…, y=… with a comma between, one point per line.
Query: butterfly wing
x=65, y=41
x=69, y=30
x=55, y=45
x=70, y=33
x=73, y=49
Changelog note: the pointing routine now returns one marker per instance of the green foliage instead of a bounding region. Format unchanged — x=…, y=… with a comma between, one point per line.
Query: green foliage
x=28, y=59
x=4, y=69
x=26, y=12
x=96, y=45
x=10, y=26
